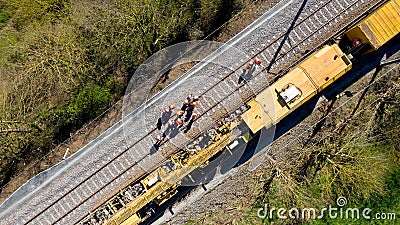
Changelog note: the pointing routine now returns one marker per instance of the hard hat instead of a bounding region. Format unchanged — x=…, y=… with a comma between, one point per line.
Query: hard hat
x=180, y=112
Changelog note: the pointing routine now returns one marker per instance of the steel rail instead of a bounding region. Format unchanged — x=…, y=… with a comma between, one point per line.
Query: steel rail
x=279, y=57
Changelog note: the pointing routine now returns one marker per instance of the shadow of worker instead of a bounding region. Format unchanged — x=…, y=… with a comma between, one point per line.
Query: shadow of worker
x=163, y=119
x=247, y=74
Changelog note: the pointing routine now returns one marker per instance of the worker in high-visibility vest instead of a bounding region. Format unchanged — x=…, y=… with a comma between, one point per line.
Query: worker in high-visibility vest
x=185, y=105
x=189, y=97
x=168, y=108
x=180, y=113
x=195, y=104
x=166, y=114
x=172, y=106
x=194, y=116
x=248, y=66
x=158, y=139
x=179, y=122
x=257, y=61
x=165, y=110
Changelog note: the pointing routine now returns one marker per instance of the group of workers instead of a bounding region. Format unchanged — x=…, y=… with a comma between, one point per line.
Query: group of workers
x=190, y=103
x=184, y=114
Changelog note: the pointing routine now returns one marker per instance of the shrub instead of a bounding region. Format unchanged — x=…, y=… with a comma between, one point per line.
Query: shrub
x=88, y=103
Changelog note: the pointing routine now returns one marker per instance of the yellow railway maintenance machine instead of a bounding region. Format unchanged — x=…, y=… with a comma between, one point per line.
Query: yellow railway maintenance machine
x=378, y=28
x=296, y=87
x=133, y=204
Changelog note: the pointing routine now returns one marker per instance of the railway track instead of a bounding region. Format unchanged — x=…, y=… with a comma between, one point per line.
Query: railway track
x=224, y=91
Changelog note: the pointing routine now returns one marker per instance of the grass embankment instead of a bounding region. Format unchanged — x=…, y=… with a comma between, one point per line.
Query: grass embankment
x=63, y=62
x=4, y=17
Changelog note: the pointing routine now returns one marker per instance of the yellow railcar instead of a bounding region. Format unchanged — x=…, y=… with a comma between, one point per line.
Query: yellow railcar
x=161, y=185
x=133, y=204
x=379, y=27
x=296, y=87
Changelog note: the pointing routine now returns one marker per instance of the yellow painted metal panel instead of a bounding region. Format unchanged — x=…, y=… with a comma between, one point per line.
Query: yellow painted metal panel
x=380, y=26
x=311, y=76
x=170, y=180
x=269, y=109
x=327, y=67
x=256, y=116
x=132, y=220
x=298, y=78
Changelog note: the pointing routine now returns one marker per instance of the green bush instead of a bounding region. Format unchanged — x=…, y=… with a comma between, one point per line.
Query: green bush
x=88, y=103
x=67, y=61
x=27, y=11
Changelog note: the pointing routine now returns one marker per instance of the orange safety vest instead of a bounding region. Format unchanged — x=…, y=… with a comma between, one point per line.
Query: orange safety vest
x=179, y=122
x=173, y=106
x=257, y=61
x=180, y=113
